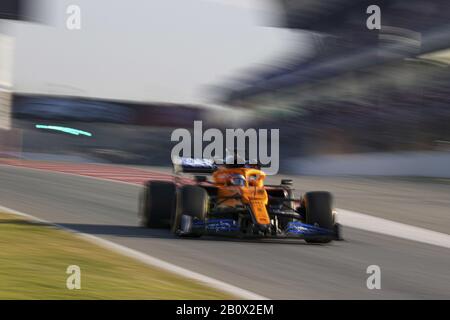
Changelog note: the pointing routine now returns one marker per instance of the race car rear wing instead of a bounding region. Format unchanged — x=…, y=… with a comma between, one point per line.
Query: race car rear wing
x=194, y=165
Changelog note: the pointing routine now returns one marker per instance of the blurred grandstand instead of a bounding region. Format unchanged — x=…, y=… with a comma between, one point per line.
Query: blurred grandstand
x=363, y=90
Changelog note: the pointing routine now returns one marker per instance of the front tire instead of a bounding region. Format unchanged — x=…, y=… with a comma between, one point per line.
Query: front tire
x=157, y=204
x=193, y=201
x=319, y=212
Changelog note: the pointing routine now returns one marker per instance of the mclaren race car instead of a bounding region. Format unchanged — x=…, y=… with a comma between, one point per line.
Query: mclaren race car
x=233, y=200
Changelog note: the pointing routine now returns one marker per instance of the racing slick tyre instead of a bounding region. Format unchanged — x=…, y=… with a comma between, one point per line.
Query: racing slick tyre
x=192, y=201
x=157, y=204
x=319, y=212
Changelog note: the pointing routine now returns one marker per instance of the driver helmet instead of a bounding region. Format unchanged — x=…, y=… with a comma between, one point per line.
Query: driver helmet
x=237, y=180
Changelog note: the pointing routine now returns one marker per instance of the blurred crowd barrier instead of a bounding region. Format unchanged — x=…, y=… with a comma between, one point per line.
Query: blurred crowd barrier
x=422, y=163
x=108, y=142
x=93, y=130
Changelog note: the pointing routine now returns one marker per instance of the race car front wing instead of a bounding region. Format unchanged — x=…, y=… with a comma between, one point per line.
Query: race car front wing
x=217, y=226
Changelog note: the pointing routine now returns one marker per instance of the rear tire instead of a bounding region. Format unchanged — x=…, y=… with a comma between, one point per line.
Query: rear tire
x=319, y=212
x=157, y=204
x=192, y=201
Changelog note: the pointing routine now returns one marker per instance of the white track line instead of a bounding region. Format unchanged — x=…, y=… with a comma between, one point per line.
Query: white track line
x=395, y=229
x=149, y=260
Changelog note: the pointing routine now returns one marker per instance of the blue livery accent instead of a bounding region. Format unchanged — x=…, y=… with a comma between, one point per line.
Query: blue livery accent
x=197, y=163
x=221, y=225
x=298, y=228
x=198, y=223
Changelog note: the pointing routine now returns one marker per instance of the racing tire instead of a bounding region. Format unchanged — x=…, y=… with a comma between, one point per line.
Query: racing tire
x=319, y=212
x=157, y=204
x=192, y=201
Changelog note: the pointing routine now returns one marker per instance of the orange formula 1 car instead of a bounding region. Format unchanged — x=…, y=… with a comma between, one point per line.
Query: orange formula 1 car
x=235, y=201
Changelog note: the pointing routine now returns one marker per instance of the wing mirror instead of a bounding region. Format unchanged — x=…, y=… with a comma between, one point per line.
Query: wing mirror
x=287, y=182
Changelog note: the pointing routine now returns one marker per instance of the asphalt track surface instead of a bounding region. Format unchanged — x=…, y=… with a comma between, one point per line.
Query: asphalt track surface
x=275, y=269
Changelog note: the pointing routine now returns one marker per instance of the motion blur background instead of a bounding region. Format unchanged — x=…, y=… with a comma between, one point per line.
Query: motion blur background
x=347, y=100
